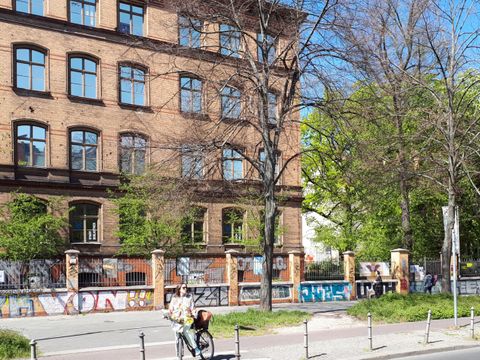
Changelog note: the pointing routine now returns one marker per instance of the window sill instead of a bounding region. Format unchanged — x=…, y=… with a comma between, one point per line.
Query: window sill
x=84, y=100
x=234, y=120
x=86, y=243
x=87, y=172
x=195, y=116
x=142, y=108
x=34, y=93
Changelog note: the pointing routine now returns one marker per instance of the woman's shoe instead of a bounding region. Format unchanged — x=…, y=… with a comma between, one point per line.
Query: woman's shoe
x=197, y=352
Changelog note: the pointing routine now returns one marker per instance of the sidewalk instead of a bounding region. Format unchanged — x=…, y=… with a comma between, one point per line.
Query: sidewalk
x=331, y=336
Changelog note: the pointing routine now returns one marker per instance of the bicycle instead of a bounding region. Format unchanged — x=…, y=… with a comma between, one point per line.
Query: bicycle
x=204, y=341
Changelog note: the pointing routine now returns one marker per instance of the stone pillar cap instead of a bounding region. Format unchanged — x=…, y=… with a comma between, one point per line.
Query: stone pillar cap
x=158, y=252
x=400, y=250
x=232, y=252
x=295, y=252
x=348, y=253
x=72, y=252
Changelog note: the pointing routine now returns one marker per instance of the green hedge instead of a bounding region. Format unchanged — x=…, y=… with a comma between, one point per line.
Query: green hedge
x=393, y=307
x=13, y=345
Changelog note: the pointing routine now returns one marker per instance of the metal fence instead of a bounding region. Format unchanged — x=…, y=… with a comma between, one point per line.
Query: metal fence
x=324, y=270
x=109, y=272
x=33, y=274
x=195, y=271
x=250, y=268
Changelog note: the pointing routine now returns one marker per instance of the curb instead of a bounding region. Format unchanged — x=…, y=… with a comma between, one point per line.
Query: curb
x=421, y=352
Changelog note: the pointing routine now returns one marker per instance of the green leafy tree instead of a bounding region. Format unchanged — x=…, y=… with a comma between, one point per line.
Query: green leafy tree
x=30, y=228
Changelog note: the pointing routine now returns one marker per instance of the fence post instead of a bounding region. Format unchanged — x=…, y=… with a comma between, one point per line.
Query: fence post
x=370, y=334
x=400, y=270
x=305, y=338
x=237, y=342
x=427, y=330
x=72, y=268
x=232, y=276
x=295, y=263
x=158, y=276
x=472, y=322
x=349, y=272
x=33, y=350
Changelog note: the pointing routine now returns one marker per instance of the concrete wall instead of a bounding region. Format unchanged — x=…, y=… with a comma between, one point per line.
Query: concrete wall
x=324, y=291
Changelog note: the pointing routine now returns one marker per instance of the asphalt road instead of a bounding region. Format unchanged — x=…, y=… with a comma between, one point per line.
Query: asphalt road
x=468, y=354
x=121, y=329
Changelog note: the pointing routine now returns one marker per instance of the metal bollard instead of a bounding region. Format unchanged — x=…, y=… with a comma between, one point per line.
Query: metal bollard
x=33, y=350
x=427, y=330
x=305, y=338
x=370, y=338
x=142, y=345
x=472, y=322
x=237, y=343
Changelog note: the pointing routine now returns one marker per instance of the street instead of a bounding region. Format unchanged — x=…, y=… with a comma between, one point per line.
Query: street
x=466, y=354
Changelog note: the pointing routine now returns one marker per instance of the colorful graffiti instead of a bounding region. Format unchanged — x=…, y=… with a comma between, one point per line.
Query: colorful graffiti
x=205, y=296
x=322, y=292
x=252, y=292
x=58, y=303
x=364, y=287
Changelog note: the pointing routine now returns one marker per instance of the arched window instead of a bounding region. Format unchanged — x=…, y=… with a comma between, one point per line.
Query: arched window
x=232, y=164
x=133, y=149
x=190, y=94
x=132, y=85
x=30, y=68
x=83, y=77
x=231, y=103
x=84, y=223
x=232, y=225
x=31, y=140
x=83, y=150
x=194, y=229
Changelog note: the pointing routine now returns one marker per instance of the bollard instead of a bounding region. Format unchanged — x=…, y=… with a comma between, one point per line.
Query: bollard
x=237, y=343
x=33, y=350
x=370, y=339
x=142, y=345
x=427, y=330
x=305, y=337
x=472, y=322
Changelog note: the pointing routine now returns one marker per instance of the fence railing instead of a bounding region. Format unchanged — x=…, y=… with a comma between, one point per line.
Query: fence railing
x=33, y=274
x=324, y=270
x=250, y=268
x=110, y=272
x=195, y=271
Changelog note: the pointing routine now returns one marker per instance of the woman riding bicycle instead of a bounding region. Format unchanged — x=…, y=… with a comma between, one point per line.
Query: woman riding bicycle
x=181, y=312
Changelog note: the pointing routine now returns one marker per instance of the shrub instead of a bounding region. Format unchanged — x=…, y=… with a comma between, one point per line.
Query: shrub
x=13, y=345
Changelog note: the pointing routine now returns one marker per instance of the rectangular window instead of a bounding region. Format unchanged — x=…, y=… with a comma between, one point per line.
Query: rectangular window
x=229, y=40
x=84, y=223
x=30, y=69
x=34, y=7
x=189, y=31
x=231, y=103
x=83, y=12
x=190, y=95
x=232, y=164
x=272, y=109
x=133, y=150
x=130, y=19
x=271, y=50
x=192, y=164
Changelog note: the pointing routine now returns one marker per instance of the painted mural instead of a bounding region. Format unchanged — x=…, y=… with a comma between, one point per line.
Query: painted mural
x=323, y=292
x=67, y=303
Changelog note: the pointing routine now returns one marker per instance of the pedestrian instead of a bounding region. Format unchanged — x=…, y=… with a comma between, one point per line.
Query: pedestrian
x=428, y=283
x=378, y=285
x=181, y=311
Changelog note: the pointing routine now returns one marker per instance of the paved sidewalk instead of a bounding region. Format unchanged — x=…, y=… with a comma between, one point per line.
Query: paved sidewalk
x=331, y=336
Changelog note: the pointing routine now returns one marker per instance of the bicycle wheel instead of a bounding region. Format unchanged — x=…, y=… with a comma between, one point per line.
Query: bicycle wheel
x=205, y=344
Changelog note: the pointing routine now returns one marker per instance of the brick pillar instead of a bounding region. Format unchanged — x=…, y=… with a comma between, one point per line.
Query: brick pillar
x=400, y=270
x=295, y=260
x=158, y=265
x=232, y=276
x=349, y=272
x=71, y=261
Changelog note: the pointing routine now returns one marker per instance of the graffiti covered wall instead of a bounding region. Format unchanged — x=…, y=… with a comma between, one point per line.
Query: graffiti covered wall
x=66, y=303
x=280, y=293
x=323, y=291
x=204, y=295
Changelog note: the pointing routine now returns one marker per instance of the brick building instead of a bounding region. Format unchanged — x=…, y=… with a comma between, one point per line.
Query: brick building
x=88, y=87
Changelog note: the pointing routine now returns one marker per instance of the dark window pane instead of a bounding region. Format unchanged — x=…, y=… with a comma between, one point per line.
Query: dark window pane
x=91, y=158
x=38, y=153
x=23, y=152
x=76, y=157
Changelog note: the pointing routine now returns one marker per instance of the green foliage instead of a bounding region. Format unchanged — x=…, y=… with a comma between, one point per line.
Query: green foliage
x=393, y=307
x=151, y=213
x=13, y=345
x=29, y=230
x=255, y=322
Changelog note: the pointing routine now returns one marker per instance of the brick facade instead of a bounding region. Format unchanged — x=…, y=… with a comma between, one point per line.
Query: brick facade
x=160, y=119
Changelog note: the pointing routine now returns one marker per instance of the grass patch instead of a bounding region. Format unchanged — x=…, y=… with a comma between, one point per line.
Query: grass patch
x=393, y=307
x=13, y=345
x=255, y=322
